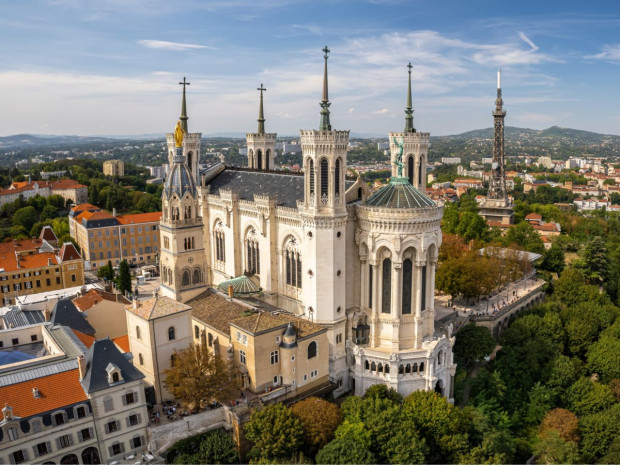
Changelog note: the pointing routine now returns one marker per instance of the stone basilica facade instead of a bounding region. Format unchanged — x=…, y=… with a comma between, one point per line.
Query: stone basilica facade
x=320, y=245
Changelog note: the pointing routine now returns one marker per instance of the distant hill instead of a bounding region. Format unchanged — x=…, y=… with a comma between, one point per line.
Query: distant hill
x=29, y=140
x=554, y=132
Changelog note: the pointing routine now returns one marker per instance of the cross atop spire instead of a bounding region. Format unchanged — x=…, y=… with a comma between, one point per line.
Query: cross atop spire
x=261, y=118
x=325, y=124
x=409, y=110
x=183, y=116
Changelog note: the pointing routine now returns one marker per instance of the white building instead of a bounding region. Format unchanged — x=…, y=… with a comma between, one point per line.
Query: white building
x=450, y=160
x=322, y=248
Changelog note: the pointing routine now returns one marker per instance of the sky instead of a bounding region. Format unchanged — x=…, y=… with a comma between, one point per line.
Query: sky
x=112, y=67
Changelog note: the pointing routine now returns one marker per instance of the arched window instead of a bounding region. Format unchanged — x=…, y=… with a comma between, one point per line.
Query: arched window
x=196, y=278
x=439, y=357
x=196, y=332
x=259, y=159
x=324, y=179
x=218, y=236
x=366, y=365
x=311, y=174
x=141, y=358
x=423, y=293
x=401, y=370
x=421, y=367
x=359, y=192
x=407, y=278
x=185, y=281
x=408, y=368
x=386, y=295
x=373, y=366
x=337, y=177
x=190, y=157
x=267, y=155
x=171, y=333
x=386, y=369
x=292, y=258
x=380, y=368
x=252, y=253
x=421, y=177
x=115, y=377
x=210, y=340
x=410, y=170
x=312, y=349
x=138, y=334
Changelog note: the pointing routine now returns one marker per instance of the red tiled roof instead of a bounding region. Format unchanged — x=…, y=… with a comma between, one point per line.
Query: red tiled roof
x=47, y=233
x=20, y=245
x=8, y=261
x=533, y=216
x=67, y=184
x=139, y=218
x=94, y=296
x=86, y=339
x=83, y=207
x=122, y=342
x=55, y=391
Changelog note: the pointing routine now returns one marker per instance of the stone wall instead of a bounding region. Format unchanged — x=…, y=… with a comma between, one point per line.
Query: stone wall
x=161, y=438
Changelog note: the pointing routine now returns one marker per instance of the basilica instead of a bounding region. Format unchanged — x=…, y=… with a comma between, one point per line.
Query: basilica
x=320, y=245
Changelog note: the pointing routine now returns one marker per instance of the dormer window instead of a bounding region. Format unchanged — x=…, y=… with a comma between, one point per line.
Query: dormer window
x=114, y=374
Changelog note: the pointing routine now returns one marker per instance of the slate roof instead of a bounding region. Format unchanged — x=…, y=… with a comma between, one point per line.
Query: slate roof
x=55, y=391
x=65, y=313
x=99, y=356
x=287, y=187
x=217, y=311
x=399, y=194
x=157, y=308
x=16, y=318
x=68, y=340
x=179, y=181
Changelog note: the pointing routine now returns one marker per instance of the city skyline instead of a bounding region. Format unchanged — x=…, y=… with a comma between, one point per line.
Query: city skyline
x=75, y=68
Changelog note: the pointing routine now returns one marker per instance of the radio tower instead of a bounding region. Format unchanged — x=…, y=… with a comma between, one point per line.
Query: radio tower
x=497, y=207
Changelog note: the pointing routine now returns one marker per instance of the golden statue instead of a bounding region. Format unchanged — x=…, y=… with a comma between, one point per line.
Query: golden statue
x=178, y=134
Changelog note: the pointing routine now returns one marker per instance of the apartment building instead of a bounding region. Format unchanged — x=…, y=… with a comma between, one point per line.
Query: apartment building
x=66, y=188
x=32, y=266
x=114, y=168
x=104, y=236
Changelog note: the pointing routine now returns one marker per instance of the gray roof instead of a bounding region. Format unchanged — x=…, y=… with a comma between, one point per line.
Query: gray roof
x=180, y=181
x=65, y=313
x=68, y=341
x=16, y=318
x=100, y=355
x=287, y=187
x=30, y=372
x=399, y=194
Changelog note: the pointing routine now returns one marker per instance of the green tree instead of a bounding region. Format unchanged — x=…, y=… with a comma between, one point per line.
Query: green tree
x=123, y=280
x=541, y=400
x=603, y=358
x=197, y=376
x=406, y=446
x=554, y=259
x=472, y=226
x=525, y=236
x=275, y=432
x=25, y=217
x=217, y=447
x=345, y=451
x=598, y=432
x=586, y=396
x=595, y=261
x=49, y=212
x=473, y=343
x=553, y=449
x=319, y=420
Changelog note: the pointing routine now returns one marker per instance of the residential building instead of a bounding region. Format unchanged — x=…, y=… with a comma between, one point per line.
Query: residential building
x=66, y=188
x=105, y=311
x=114, y=168
x=450, y=160
x=34, y=265
x=103, y=236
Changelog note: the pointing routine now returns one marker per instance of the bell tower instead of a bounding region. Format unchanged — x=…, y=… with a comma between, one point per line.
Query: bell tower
x=183, y=262
x=324, y=215
x=261, y=145
x=414, y=145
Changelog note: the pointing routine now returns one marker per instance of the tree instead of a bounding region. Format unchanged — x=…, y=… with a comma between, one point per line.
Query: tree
x=106, y=271
x=123, y=280
x=49, y=212
x=586, y=396
x=473, y=343
x=275, y=432
x=541, y=400
x=197, y=375
x=554, y=259
x=472, y=226
x=562, y=421
x=553, y=449
x=598, y=432
x=217, y=447
x=406, y=446
x=319, y=420
x=525, y=236
x=345, y=451
x=595, y=263
x=25, y=217
x=603, y=358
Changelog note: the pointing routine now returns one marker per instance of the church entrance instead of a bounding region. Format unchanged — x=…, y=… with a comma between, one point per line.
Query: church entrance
x=439, y=387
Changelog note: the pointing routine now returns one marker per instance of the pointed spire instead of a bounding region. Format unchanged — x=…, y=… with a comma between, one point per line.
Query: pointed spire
x=325, y=124
x=409, y=110
x=183, y=116
x=261, y=118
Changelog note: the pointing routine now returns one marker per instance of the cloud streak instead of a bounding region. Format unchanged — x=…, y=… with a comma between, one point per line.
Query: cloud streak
x=608, y=53
x=175, y=46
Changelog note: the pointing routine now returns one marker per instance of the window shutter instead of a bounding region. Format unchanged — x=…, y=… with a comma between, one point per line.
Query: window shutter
x=107, y=428
x=58, y=445
x=111, y=451
x=128, y=421
x=142, y=441
x=122, y=447
x=35, y=449
x=139, y=418
x=91, y=432
x=49, y=447
x=118, y=425
x=25, y=455
x=70, y=439
x=124, y=400
x=80, y=438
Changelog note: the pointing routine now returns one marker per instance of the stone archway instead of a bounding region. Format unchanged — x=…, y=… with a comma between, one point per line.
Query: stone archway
x=69, y=459
x=90, y=456
x=439, y=387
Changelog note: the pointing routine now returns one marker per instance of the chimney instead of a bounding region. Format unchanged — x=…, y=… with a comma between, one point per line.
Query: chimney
x=230, y=291
x=7, y=412
x=114, y=212
x=135, y=302
x=49, y=262
x=35, y=393
x=82, y=366
x=47, y=314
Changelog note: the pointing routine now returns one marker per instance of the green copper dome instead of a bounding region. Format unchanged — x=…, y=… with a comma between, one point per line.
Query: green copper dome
x=399, y=194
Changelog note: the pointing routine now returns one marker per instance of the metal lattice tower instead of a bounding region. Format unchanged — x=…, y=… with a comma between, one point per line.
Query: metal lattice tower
x=497, y=185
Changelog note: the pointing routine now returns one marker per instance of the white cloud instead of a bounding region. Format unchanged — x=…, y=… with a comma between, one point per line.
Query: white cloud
x=608, y=52
x=176, y=46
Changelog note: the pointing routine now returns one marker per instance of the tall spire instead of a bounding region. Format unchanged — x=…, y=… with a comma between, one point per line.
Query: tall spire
x=409, y=110
x=261, y=118
x=183, y=116
x=325, y=124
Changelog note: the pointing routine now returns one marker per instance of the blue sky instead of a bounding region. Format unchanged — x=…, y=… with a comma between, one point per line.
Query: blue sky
x=111, y=67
